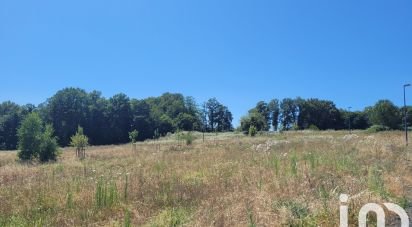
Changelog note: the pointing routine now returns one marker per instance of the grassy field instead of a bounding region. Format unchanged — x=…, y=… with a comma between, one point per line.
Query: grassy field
x=291, y=179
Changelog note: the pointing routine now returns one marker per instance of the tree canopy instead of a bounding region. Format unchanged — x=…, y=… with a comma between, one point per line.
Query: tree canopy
x=320, y=114
x=109, y=120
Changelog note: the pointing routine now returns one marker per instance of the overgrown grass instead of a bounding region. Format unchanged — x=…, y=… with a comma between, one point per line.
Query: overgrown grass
x=291, y=179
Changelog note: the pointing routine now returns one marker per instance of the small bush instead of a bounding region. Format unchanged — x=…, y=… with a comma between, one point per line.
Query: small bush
x=133, y=136
x=189, y=138
x=252, y=131
x=36, y=141
x=80, y=142
x=30, y=138
x=313, y=128
x=49, y=146
x=171, y=217
x=377, y=128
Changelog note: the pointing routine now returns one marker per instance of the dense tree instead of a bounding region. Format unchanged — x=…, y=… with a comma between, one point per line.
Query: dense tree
x=35, y=140
x=142, y=119
x=320, y=113
x=96, y=125
x=108, y=121
x=10, y=116
x=212, y=106
x=119, y=118
x=49, y=146
x=164, y=125
x=263, y=109
x=274, y=113
x=195, y=112
x=289, y=110
x=358, y=120
x=168, y=104
x=224, y=120
x=219, y=118
x=204, y=118
x=67, y=109
x=255, y=119
x=30, y=138
x=187, y=122
x=385, y=113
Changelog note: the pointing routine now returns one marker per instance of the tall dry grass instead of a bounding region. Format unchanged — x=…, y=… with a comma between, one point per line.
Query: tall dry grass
x=292, y=179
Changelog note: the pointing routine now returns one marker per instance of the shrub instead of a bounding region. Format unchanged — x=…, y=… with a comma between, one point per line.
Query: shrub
x=30, y=137
x=133, y=136
x=80, y=142
x=189, y=138
x=313, y=128
x=252, y=131
x=35, y=141
x=377, y=128
x=171, y=217
x=49, y=146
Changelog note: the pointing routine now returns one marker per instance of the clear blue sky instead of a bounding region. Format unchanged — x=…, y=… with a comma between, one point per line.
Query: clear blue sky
x=351, y=52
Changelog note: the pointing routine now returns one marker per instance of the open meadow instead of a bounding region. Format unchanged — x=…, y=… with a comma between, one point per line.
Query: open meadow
x=292, y=179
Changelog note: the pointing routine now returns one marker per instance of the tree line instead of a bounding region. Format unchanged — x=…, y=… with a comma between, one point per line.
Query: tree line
x=109, y=121
x=301, y=114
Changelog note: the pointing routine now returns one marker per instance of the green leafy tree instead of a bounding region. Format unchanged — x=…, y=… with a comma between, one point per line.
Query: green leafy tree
x=288, y=113
x=212, y=106
x=263, y=109
x=224, y=120
x=165, y=125
x=30, y=137
x=385, y=113
x=320, y=113
x=35, y=141
x=219, y=118
x=65, y=110
x=49, y=147
x=80, y=142
x=142, y=119
x=96, y=126
x=195, y=113
x=358, y=119
x=254, y=119
x=133, y=136
x=274, y=110
x=120, y=118
x=11, y=115
x=186, y=122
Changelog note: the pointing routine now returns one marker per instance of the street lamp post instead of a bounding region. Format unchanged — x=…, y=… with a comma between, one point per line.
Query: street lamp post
x=350, y=119
x=405, y=112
